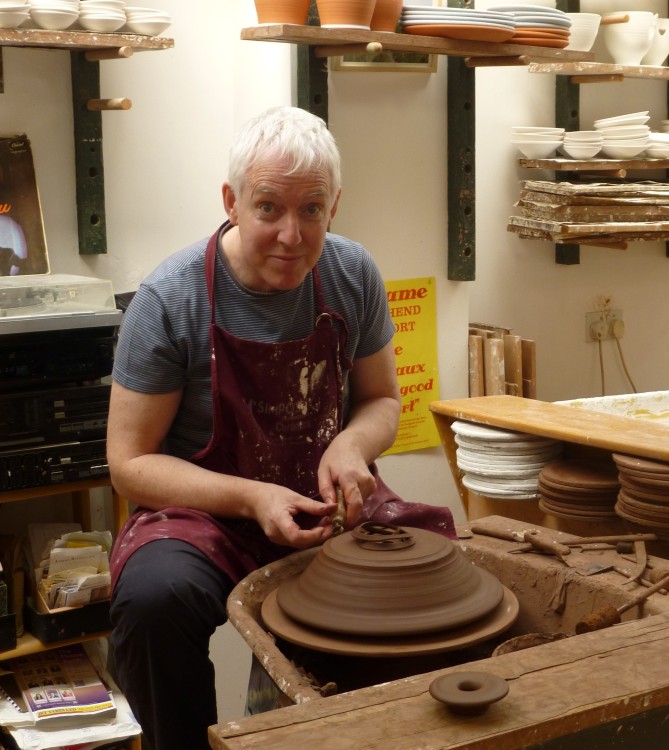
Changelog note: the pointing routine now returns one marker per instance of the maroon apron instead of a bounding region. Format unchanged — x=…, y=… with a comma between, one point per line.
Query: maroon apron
x=276, y=408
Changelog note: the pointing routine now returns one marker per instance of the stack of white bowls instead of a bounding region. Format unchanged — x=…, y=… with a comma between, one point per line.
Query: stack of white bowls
x=104, y=16
x=536, y=142
x=664, y=126
x=625, y=136
x=13, y=13
x=147, y=20
x=584, y=28
x=582, y=144
x=54, y=15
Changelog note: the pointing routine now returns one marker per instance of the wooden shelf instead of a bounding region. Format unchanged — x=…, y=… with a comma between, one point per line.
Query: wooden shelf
x=594, y=72
x=29, y=644
x=335, y=42
x=617, y=166
x=80, y=40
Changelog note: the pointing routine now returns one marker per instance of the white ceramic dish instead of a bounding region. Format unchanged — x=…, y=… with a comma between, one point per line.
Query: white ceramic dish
x=634, y=118
x=577, y=136
x=53, y=20
x=148, y=27
x=581, y=151
x=12, y=19
x=101, y=24
x=658, y=152
x=621, y=151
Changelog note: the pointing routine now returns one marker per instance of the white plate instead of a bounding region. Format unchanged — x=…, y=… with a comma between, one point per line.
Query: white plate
x=633, y=118
x=459, y=22
x=476, y=430
x=488, y=490
x=528, y=9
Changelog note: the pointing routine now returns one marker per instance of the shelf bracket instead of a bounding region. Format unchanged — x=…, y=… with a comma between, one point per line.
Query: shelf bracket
x=461, y=201
x=89, y=167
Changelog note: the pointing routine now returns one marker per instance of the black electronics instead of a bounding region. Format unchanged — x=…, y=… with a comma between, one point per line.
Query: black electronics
x=43, y=351
x=43, y=465
x=53, y=415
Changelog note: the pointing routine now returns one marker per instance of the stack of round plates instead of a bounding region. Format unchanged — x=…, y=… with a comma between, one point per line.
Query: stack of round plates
x=457, y=23
x=643, y=499
x=502, y=463
x=578, y=489
x=538, y=25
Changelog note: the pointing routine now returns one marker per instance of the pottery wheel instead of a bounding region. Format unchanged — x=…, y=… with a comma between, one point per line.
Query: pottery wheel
x=363, y=588
x=499, y=620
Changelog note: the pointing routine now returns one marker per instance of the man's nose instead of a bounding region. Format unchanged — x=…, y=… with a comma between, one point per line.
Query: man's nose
x=289, y=232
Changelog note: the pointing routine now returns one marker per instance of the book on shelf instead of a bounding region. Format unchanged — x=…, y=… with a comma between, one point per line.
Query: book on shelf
x=57, y=687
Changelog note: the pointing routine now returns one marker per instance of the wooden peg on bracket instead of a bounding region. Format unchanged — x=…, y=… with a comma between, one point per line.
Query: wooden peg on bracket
x=109, y=53
x=101, y=105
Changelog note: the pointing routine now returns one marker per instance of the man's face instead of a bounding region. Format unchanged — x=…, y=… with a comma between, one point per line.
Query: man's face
x=282, y=220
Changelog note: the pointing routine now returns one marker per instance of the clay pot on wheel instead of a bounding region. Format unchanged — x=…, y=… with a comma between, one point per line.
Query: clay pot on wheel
x=282, y=11
x=386, y=15
x=345, y=14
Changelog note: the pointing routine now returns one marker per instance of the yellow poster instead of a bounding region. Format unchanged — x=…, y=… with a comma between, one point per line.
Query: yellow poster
x=413, y=308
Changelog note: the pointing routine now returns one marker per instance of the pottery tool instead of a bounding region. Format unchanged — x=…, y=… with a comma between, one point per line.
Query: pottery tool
x=580, y=563
x=641, y=562
x=605, y=616
x=339, y=516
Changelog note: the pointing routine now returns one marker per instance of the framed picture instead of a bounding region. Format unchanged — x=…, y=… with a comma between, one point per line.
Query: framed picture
x=398, y=62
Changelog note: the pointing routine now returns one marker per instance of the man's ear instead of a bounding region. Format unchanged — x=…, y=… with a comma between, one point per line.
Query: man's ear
x=230, y=202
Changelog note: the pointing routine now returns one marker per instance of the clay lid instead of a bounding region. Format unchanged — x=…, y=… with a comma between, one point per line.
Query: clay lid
x=588, y=476
x=384, y=580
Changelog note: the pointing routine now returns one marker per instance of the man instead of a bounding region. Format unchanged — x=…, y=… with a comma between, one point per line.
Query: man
x=254, y=376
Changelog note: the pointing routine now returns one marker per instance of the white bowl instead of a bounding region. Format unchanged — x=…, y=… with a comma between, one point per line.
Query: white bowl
x=659, y=47
x=53, y=20
x=581, y=151
x=579, y=136
x=150, y=28
x=532, y=137
x=11, y=19
x=584, y=28
x=622, y=151
x=658, y=152
x=538, y=129
x=102, y=24
x=537, y=149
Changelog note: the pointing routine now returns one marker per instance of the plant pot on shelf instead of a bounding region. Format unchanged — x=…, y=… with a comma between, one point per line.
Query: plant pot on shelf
x=386, y=15
x=282, y=11
x=345, y=14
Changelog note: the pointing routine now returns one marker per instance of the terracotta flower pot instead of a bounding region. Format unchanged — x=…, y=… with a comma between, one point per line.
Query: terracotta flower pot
x=282, y=11
x=350, y=14
x=386, y=15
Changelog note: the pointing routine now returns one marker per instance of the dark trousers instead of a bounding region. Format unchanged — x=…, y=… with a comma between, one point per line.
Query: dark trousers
x=167, y=603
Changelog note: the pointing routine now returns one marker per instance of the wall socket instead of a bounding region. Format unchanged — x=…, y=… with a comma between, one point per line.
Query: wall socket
x=598, y=324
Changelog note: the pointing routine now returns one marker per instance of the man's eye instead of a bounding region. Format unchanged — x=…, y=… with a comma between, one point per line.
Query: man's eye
x=265, y=208
x=314, y=209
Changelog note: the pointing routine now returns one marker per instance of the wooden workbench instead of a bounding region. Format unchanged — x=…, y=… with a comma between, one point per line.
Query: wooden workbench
x=610, y=686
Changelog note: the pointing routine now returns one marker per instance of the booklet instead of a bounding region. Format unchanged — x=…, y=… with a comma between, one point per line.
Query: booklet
x=61, y=686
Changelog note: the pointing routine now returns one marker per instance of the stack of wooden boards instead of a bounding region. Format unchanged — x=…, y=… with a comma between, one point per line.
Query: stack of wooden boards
x=501, y=363
x=595, y=213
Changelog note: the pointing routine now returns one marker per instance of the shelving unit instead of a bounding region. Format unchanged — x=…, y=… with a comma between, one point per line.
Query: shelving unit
x=80, y=493
x=315, y=44
x=87, y=49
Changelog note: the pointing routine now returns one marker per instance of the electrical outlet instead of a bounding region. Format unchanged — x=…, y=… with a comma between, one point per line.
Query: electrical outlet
x=599, y=324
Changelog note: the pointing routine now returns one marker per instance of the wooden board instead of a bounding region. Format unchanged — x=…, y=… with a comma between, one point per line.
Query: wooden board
x=638, y=437
x=594, y=165
x=600, y=69
x=589, y=213
x=581, y=199
x=80, y=40
x=329, y=38
x=629, y=189
x=555, y=690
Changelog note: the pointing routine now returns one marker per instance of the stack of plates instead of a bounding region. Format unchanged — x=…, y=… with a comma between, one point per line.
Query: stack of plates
x=625, y=136
x=579, y=490
x=502, y=463
x=658, y=145
x=538, y=25
x=643, y=500
x=457, y=23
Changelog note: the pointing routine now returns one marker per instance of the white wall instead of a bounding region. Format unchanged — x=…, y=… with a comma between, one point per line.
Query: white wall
x=165, y=160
